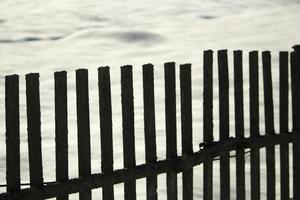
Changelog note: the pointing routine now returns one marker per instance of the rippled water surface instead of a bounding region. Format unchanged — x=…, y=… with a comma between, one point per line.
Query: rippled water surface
x=47, y=36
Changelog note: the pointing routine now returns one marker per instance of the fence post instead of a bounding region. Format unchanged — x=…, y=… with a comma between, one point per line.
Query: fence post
x=61, y=129
x=269, y=123
x=12, y=119
x=284, y=127
x=171, y=131
x=186, y=127
x=224, y=122
x=106, y=129
x=295, y=75
x=128, y=128
x=254, y=124
x=34, y=130
x=149, y=121
x=208, y=121
x=239, y=123
x=83, y=128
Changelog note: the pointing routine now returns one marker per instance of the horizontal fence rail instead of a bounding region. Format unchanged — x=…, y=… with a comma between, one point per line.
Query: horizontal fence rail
x=177, y=165
x=209, y=151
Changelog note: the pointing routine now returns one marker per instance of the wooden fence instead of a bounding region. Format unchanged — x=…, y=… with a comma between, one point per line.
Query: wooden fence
x=173, y=164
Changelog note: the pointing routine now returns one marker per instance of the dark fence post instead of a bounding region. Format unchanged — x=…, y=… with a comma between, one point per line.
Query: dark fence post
x=149, y=121
x=171, y=131
x=254, y=125
x=208, y=121
x=128, y=127
x=186, y=127
x=12, y=120
x=106, y=129
x=295, y=75
x=34, y=130
x=61, y=129
x=83, y=128
x=239, y=123
x=224, y=122
x=269, y=123
x=284, y=127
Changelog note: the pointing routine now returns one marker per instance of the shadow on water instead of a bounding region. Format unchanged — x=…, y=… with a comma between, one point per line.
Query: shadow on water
x=96, y=18
x=207, y=17
x=29, y=39
x=138, y=37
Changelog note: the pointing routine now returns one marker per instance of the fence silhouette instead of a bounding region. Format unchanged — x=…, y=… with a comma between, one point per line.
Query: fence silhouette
x=173, y=164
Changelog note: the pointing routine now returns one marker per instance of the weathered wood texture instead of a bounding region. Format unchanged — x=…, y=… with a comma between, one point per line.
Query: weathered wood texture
x=295, y=75
x=106, y=129
x=61, y=129
x=34, y=130
x=224, y=122
x=269, y=123
x=83, y=128
x=149, y=124
x=186, y=127
x=239, y=123
x=128, y=128
x=12, y=119
x=254, y=125
x=284, y=124
x=171, y=130
x=208, y=121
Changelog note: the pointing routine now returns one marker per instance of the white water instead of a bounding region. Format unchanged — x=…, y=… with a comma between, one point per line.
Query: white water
x=47, y=36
